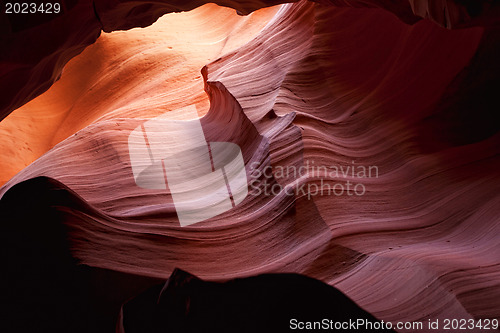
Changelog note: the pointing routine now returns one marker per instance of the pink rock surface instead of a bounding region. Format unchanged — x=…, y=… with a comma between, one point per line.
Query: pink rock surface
x=311, y=84
x=35, y=50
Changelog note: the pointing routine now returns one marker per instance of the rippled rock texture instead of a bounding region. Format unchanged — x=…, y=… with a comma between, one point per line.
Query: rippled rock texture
x=341, y=86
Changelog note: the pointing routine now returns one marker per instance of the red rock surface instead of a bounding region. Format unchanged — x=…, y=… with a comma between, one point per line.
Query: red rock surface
x=292, y=85
x=26, y=73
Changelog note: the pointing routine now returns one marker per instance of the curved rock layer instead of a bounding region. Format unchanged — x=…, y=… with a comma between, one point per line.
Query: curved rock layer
x=309, y=85
x=166, y=60
x=58, y=37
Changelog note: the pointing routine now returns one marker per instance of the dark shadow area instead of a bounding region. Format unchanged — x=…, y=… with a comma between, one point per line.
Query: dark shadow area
x=44, y=288
x=264, y=303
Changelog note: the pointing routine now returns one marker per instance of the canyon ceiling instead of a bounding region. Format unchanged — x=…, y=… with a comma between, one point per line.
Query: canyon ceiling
x=407, y=87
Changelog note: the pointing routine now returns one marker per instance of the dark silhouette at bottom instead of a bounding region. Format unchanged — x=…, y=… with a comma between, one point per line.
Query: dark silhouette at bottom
x=264, y=303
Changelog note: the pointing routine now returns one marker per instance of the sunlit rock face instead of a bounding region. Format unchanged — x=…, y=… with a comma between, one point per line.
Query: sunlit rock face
x=35, y=48
x=318, y=96
x=165, y=61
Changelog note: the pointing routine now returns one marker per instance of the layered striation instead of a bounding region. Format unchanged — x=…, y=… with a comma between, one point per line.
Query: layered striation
x=315, y=87
x=36, y=47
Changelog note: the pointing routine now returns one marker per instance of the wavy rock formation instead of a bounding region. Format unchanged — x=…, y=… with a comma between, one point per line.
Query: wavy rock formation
x=95, y=85
x=403, y=113
x=59, y=37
